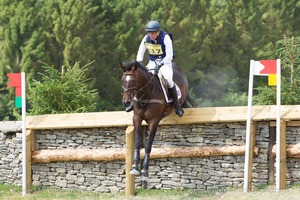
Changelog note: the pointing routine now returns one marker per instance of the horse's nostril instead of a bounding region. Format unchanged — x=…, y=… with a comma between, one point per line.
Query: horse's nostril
x=126, y=103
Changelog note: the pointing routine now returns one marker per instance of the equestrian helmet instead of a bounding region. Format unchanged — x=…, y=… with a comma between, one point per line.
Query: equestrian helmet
x=152, y=26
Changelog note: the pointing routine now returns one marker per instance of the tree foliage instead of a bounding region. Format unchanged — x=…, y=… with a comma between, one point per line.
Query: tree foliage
x=61, y=92
x=213, y=41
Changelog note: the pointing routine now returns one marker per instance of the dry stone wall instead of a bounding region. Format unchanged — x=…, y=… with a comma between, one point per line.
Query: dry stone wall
x=169, y=173
x=10, y=153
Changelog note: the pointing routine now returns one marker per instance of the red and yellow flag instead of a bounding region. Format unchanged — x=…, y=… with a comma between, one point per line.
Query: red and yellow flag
x=266, y=68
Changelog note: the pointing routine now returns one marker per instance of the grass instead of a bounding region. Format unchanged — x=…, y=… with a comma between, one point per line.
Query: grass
x=10, y=192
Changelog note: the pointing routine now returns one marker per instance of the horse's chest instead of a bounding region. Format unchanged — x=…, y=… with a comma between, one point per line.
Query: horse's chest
x=154, y=113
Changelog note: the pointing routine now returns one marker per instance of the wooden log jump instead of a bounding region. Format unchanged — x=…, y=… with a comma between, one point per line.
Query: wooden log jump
x=292, y=150
x=291, y=115
x=69, y=155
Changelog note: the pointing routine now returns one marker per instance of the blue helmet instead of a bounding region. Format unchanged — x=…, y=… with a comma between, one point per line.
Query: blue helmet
x=152, y=26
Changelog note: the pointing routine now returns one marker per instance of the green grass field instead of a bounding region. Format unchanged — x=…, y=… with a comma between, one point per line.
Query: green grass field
x=9, y=192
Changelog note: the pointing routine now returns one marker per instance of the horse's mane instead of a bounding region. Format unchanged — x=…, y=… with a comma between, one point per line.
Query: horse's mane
x=130, y=64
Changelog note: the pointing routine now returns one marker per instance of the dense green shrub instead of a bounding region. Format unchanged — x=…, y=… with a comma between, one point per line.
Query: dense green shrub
x=288, y=50
x=61, y=92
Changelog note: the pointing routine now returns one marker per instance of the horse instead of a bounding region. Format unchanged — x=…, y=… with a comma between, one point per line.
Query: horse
x=143, y=88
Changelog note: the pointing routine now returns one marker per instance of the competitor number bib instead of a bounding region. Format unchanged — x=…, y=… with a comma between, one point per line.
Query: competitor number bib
x=154, y=49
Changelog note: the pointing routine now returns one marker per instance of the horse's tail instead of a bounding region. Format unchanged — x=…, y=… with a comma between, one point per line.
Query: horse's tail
x=189, y=103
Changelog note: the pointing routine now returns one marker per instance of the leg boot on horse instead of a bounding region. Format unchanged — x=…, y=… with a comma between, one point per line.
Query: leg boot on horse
x=144, y=171
x=173, y=93
x=136, y=159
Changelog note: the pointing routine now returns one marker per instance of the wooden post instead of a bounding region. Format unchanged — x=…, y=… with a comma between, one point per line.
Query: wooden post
x=282, y=185
x=130, y=179
x=30, y=144
x=252, y=144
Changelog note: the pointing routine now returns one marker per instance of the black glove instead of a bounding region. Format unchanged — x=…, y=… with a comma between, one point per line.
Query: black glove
x=156, y=69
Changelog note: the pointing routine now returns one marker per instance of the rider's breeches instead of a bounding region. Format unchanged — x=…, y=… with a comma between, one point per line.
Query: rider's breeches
x=166, y=70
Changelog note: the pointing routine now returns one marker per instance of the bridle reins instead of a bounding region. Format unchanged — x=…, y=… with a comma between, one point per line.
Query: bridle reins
x=134, y=96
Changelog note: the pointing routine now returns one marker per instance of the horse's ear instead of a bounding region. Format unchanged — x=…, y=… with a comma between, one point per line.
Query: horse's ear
x=123, y=67
x=136, y=64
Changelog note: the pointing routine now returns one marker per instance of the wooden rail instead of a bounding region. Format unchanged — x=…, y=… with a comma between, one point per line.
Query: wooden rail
x=292, y=150
x=83, y=155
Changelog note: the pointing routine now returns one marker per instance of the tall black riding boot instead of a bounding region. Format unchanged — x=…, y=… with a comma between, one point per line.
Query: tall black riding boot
x=129, y=108
x=173, y=93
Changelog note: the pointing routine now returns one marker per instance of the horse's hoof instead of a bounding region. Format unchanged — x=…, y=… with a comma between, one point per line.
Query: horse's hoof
x=135, y=172
x=144, y=178
x=145, y=175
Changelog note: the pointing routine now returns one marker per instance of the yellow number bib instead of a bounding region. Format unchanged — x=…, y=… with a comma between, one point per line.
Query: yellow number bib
x=154, y=49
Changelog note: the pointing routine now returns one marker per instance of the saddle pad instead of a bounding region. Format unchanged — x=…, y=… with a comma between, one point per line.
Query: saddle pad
x=163, y=83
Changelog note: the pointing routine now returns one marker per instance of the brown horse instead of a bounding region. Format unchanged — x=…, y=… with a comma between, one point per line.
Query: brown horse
x=144, y=89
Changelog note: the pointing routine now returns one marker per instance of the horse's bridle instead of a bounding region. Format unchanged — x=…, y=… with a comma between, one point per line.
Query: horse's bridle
x=134, y=95
x=126, y=89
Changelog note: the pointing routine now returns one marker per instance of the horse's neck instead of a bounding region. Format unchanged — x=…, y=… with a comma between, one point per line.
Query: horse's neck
x=147, y=84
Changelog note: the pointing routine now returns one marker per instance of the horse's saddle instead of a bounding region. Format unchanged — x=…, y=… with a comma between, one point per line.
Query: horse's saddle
x=164, y=86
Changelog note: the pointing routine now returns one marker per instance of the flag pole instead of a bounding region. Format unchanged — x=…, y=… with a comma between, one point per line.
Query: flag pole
x=278, y=138
x=248, y=125
x=24, y=160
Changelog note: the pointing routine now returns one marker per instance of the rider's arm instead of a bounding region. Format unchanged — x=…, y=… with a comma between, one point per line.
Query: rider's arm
x=141, y=51
x=169, y=50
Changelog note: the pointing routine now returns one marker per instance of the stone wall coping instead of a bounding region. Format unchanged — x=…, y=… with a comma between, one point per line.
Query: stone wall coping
x=10, y=126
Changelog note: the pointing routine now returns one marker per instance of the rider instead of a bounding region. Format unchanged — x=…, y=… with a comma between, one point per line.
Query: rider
x=159, y=46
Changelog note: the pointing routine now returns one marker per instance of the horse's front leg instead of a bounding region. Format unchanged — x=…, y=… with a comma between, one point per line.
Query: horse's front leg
x=137, y=121
x=148, y=147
